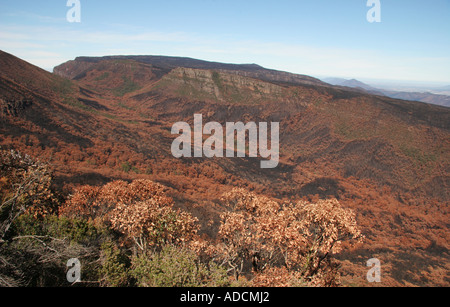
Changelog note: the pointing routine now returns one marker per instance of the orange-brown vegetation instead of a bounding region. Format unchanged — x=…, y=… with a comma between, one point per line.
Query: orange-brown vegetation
x=140, y=210
x=387, y=160
x=300, y=237
x=25, y=187
x=256, y=237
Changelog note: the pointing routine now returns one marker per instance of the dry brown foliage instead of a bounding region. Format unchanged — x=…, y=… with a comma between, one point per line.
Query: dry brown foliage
x=96, y=203
x=301, y=237
x=140, y=210
x=154, y=222
x=25, y=186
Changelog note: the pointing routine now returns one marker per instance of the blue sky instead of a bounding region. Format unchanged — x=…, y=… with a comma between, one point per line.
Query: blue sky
x=314, y=37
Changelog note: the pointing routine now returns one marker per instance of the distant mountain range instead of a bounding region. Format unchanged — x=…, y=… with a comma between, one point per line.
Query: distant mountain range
x=427, y=97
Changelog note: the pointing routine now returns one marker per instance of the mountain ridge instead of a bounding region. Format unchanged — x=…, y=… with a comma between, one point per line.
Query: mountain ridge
x=250, y=70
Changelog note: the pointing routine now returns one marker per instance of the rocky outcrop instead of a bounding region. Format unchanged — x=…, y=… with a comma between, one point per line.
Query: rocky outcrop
x=14, y=107
x=221, y=86
x=72, y=69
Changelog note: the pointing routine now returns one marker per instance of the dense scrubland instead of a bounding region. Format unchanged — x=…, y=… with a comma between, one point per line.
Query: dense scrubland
x=360, y=177
x=130, y=234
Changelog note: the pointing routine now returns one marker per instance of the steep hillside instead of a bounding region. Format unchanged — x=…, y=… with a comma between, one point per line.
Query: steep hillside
x=387, y=159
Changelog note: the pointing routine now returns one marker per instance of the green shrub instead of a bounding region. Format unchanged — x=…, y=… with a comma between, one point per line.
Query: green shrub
x=176, y=267
x=37, y=250
x=125, y=167
x=115, y=267
x=74, y=230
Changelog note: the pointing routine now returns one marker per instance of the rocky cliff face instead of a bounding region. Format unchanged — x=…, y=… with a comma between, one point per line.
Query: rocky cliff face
x=278, y=77
x=72, y=69
x=229, y=88
x=220, y=86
